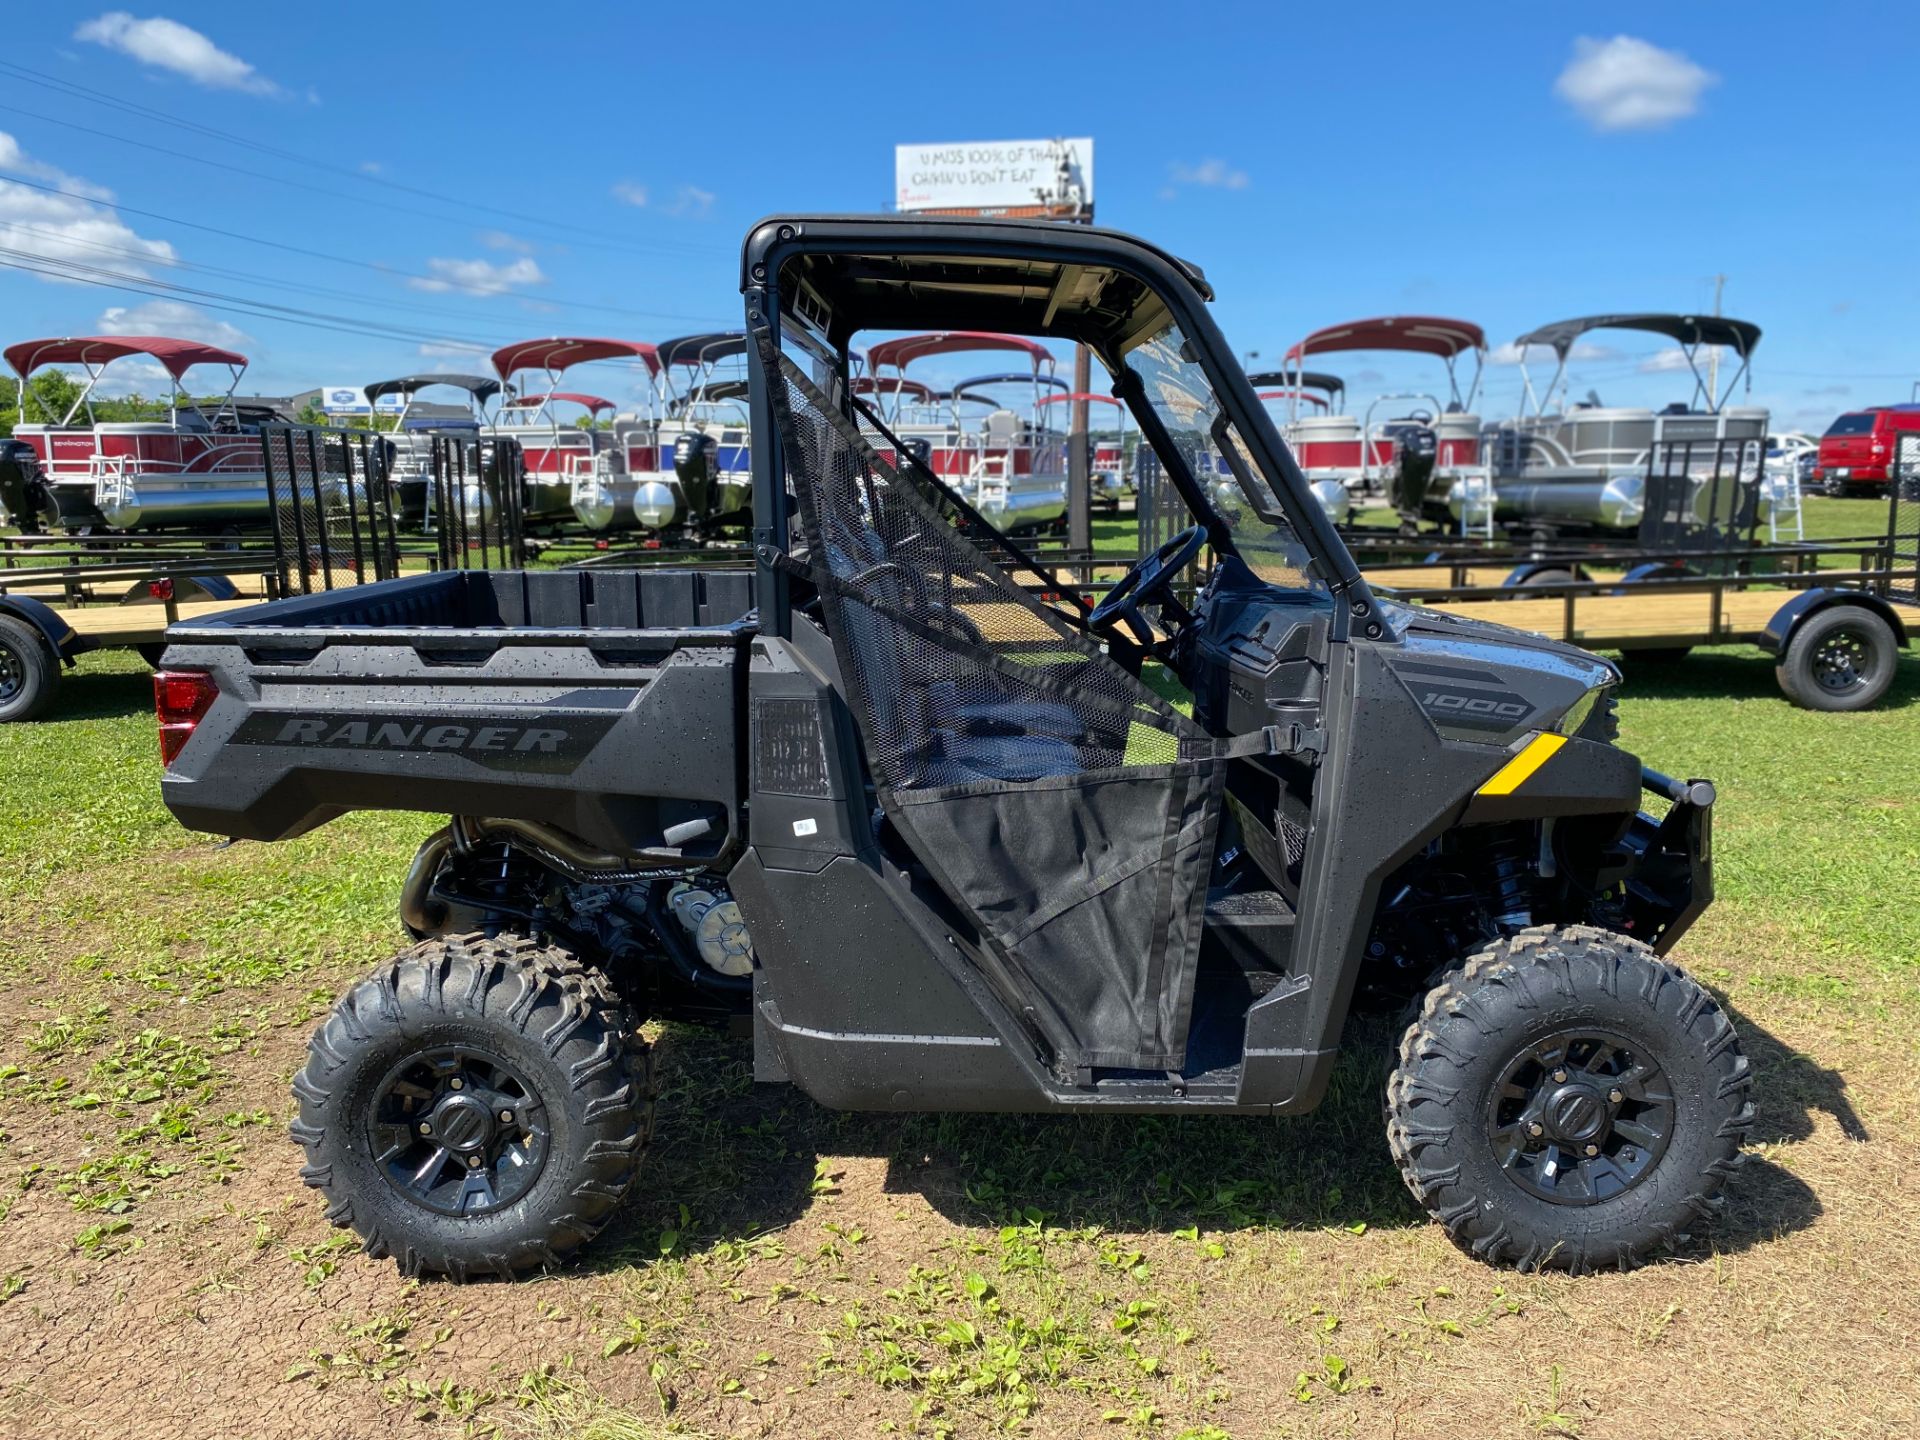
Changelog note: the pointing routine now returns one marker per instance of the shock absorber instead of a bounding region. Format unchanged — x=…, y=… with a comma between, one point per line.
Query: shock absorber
x=1509, y=866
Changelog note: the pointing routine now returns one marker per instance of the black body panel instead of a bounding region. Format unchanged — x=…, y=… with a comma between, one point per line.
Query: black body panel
x=602, y=702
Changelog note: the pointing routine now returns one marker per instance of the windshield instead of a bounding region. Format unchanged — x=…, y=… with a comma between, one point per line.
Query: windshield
x=1240, y=492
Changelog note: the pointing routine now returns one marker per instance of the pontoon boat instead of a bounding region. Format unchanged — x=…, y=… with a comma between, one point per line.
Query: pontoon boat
x=1008, y=466
x=608, y=479
x=411, y=471
x=200, y=467
x=1586, y=464
x=1416, y=457
x=1109, y=477
x=706, y=436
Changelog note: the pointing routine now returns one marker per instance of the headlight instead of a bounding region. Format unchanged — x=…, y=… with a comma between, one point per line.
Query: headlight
x=1599, y=699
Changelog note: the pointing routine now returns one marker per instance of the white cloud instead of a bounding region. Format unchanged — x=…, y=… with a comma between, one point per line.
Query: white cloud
x=501, y=240
x=1628, y=84
x=169, y=45
x=1208, y=174
x=477, y=277
x=74, y=227
x=456, y=352
x=1663, y=362
x=175, y=318
x=1509, y=353
x=691, y=202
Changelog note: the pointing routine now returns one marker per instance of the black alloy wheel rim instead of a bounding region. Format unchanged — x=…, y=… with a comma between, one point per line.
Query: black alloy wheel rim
x=457, y=1131
x=1580, y=1117
x=13, y=673
x=1844, y=661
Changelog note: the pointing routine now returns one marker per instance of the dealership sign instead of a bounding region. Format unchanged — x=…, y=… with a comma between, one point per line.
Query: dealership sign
x=352, y=400
x=1004, y=177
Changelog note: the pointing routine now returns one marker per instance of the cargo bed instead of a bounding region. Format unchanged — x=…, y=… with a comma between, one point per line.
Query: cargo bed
x=584, y=700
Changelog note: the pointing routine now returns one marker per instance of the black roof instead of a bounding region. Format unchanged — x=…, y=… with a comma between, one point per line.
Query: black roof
x=703, y=349
x=1306, y=379
x=1741, y=335
x=482, y=387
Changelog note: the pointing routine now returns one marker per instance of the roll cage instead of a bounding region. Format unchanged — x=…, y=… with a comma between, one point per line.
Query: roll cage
x=817, y=281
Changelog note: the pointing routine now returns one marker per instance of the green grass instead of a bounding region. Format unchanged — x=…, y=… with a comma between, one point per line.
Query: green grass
x=784, y=1270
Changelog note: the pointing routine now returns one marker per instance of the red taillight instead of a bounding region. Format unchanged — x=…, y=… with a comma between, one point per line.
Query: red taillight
x=160, y=589
x=181, y=698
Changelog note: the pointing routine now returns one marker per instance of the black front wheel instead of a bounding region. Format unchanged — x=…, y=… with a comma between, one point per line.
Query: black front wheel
x=1840, y=658
x=1569, y=1100
x=29, y=672
x=476, y=1106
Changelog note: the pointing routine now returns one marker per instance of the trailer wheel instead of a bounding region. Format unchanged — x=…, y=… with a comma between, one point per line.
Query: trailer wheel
x=1548, y=577
x=29, y=672
x=476, y=1106
x=1568, y=1100
x=1841, y=658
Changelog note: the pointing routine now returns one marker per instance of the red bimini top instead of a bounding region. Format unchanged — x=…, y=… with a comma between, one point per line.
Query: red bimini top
x=1419, y=334
x=559, y=352
x=178, y=356
x=904, y=351
x=592, y=402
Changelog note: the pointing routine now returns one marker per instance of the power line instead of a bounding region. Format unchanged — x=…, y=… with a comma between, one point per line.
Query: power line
x=149, y=112
x=15, y=178
x=299, y=287
x=571, y=237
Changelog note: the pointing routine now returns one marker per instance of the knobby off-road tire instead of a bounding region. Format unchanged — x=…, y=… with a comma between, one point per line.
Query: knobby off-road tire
x=434, y=1052
x=1841, y=658
x=1498, y=1047
x=29, y=672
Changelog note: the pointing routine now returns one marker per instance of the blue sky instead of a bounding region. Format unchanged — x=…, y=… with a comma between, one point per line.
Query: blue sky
x=593, y=175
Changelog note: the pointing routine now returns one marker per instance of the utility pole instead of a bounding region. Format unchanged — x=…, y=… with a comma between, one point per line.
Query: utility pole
x=1713, y=357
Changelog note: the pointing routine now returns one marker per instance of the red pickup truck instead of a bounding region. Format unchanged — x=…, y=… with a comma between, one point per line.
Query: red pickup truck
x=1857, y=450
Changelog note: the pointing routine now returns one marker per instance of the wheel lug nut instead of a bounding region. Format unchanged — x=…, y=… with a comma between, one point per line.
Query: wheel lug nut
x=1559, y=1077
x=473, y=1162
x=1592, y=1150
x=1536, y=1128
x=456, y=1083
x=1615, y=1096
x=506, y=1117
x=426, y=1128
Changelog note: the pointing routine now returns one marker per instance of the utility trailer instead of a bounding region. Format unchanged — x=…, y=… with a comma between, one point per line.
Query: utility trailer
x=1835, y=614
x=332, y=522
x=903, y=808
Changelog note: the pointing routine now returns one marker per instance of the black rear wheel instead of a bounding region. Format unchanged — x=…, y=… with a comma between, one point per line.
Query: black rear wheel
x=1841, y=658
x=29, y=672
x=476, y=1106
x=1569, y=1100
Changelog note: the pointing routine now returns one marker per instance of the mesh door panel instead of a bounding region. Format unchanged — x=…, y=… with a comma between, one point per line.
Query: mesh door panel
x=1066, y=807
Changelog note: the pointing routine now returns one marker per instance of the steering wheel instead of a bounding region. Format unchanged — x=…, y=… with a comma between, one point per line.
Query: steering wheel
x=1148, y=577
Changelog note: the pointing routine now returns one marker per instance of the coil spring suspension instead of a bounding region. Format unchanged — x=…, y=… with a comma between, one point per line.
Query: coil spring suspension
x=1510, y=866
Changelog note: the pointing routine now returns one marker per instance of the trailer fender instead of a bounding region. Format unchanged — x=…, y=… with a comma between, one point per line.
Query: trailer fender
x=1792, y=615
x=1655, y=570
x=60, y=636
x=1527, y=570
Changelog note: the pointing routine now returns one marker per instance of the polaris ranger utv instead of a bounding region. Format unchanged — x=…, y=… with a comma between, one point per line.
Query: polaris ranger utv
x=903, y=806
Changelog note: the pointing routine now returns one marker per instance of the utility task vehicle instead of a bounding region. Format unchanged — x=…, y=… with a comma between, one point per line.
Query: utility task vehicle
x=902, y=806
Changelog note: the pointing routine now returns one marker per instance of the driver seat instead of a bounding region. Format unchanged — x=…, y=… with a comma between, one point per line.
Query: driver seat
x=940, y=729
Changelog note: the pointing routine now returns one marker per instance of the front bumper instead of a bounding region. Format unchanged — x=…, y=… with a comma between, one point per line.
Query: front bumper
x=1669, y=861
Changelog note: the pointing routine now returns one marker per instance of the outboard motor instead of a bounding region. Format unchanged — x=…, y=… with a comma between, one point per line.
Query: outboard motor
x=23, y=495
x=696, y=460
x=1416, y=448
x=921, y=449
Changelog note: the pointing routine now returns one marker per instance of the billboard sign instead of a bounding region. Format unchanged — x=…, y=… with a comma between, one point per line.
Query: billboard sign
x=1001, y=177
